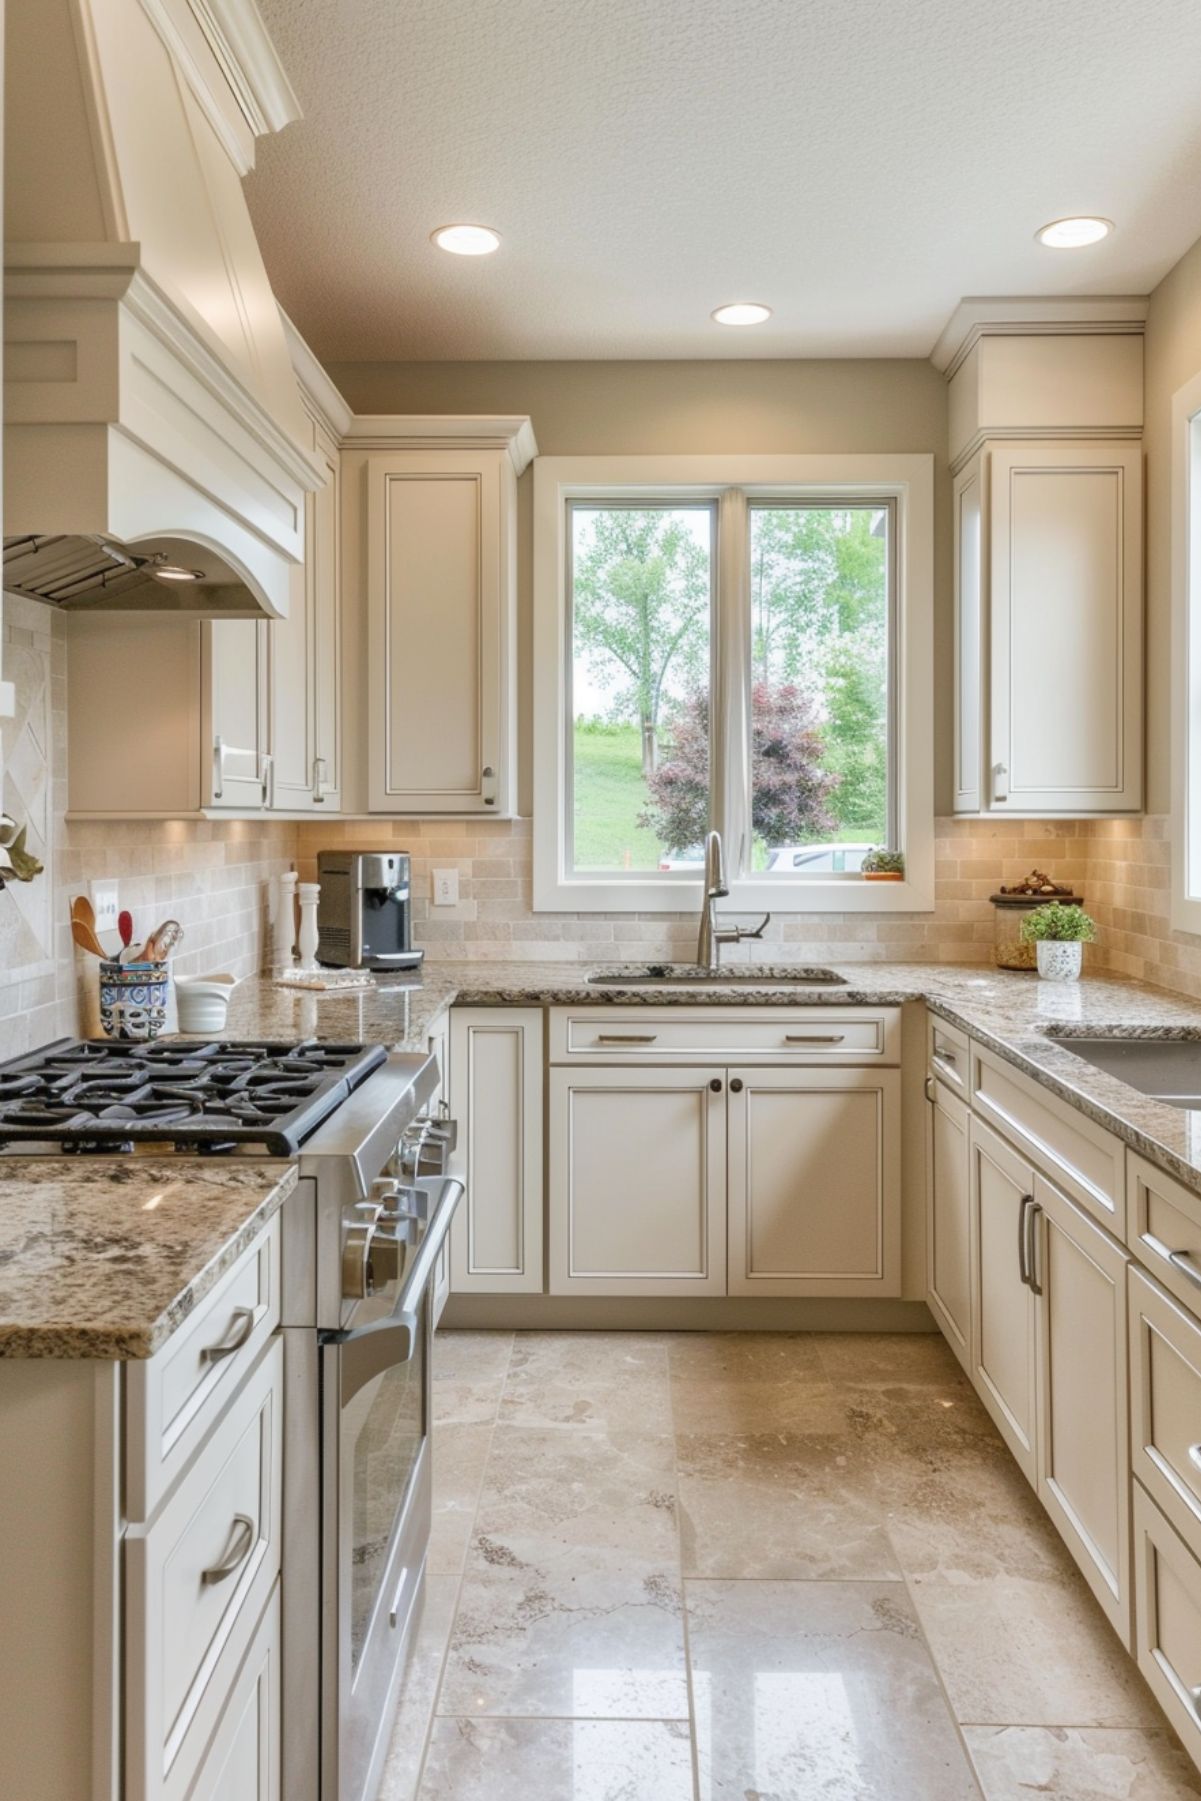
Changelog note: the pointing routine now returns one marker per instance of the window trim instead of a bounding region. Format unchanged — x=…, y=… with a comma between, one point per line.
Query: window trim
x=905, y=479
x=1185, y=898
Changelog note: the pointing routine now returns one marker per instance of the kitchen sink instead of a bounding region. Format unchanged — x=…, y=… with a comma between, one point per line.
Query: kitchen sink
x=791, y=975
x=1166, y=1067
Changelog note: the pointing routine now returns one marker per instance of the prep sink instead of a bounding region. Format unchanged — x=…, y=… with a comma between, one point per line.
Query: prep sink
x=627, y=975
x=1166, y=1068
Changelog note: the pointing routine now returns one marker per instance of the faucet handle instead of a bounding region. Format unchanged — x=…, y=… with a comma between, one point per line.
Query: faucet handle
x=755, y=931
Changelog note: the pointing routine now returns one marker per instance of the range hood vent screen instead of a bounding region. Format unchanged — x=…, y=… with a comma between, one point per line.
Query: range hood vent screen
x=78, y=572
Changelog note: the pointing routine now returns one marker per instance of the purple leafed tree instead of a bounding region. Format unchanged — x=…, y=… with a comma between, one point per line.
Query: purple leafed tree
x=790, y=787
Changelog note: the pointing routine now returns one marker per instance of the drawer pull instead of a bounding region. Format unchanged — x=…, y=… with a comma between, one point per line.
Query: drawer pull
x=941, y=1056
x=626, y=1037
x=813, y=1038
x=242, y=1540
x=1024, y=1204
x=929, y=1085
x=1181, y=1260
x=394, y=1610
x=1194, y=1456
x=240, y=1328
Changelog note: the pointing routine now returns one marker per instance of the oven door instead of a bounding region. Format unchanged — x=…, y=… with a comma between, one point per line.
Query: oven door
x=375, y=1398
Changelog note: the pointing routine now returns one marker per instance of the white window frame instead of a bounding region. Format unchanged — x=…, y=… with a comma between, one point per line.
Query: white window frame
x=1185, y=909
x=905, y=479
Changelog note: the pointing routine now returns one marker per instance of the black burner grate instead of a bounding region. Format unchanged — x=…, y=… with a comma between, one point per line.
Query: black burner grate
x=87, y=1095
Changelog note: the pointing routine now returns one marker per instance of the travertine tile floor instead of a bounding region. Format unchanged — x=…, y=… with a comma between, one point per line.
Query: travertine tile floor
x=672, y=1567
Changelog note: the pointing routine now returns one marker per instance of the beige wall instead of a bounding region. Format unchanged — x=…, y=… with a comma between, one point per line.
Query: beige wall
x=656, y=408
x=1173, y=356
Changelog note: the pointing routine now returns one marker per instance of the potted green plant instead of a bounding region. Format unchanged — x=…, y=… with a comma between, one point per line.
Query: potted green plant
x=1059, y=934
x=884, y=866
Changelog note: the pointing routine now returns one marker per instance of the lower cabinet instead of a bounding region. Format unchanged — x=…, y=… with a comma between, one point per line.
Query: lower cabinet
x=243, y=1759
x=814, y=1181
x=637, y=1181
x=1002, y=1335
x=1167, y=1631
x=496, y=1085
x=948, y=1217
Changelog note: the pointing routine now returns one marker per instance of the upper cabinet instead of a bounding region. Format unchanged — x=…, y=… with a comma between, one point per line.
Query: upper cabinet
x=438, y=502
x=1048, y=544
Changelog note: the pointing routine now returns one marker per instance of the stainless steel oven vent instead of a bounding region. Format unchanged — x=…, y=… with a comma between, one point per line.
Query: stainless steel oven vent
x=77, y=571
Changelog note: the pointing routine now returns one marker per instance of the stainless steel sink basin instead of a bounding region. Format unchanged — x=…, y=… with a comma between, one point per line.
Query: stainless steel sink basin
x=773, y=975
x=1167, y=1067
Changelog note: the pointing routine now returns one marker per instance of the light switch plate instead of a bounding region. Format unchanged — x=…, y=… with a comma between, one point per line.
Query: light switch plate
x=103, y=896
x=446, y=887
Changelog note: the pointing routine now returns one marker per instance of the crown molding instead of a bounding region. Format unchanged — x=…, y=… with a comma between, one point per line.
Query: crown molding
x=319, y=391
x=512, y=433
x=1036, y=315
x=225, y=54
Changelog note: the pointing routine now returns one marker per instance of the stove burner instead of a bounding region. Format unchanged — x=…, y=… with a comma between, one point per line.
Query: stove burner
x=93, y=1097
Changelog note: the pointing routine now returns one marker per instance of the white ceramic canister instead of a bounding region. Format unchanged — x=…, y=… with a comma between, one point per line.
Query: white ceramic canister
x=203, y=1002
x=1059, y=960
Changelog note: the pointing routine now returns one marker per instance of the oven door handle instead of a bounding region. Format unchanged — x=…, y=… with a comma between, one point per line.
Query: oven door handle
x=403, y=1318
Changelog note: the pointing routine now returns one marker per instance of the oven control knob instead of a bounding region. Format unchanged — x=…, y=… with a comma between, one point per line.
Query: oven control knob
x=397, y=1201
x=358, y=1261
x=388, y=1251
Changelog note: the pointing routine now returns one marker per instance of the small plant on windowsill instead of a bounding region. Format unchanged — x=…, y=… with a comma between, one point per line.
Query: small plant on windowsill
x=884, y=866
x=1059, y=934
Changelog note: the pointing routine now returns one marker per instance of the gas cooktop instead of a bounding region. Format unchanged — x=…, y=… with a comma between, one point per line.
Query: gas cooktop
x=89, y=1095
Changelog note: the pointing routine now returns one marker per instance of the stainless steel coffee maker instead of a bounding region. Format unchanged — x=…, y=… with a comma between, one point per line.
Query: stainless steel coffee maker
x=364, y=915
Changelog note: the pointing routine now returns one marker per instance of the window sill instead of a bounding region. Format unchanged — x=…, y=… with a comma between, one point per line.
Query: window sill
x=754, y=895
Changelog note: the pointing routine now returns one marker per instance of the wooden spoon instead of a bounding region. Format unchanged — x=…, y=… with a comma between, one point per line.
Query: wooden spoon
x=86, y=939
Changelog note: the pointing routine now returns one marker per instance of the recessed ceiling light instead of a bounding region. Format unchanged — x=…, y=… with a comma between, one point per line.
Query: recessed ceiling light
x=742, y=312
x=1074, y=234
x=466, y=240
x=175, y=572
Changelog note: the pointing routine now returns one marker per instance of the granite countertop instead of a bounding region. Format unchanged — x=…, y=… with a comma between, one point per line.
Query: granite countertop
x=1010, y=1013
x=106, y=1257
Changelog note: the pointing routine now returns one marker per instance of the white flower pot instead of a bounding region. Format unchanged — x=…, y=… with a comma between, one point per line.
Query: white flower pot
x=1058, y=961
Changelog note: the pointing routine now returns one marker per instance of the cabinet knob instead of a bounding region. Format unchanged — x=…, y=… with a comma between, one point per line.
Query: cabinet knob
x=715, y=1085
x=736, y=1085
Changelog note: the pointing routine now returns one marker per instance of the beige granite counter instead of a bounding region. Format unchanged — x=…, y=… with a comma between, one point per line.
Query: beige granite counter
x=105, y=1257
x=1010, y=1013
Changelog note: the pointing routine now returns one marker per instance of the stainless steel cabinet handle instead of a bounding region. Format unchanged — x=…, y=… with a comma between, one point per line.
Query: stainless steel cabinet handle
x=1182, y=1260
x=1033, y=1282
x=626, y=1037
x=1023, y=1265
x=1000, y=786
x=941, y=1056
x=240, y=1327
x=318, y=781
x=813, y=1038
x=394, y=1610
x=1194, y=1455
x=267, y=779
x=241, y=1543
x=930, y=1089
x=218, y=769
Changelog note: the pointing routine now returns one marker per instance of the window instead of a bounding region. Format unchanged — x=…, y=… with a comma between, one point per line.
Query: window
x=742, y=645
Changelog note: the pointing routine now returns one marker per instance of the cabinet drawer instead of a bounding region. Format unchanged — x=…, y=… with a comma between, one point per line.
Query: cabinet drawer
x=725, y=1034
x=243, y=1754
x=1163, y=1229
x=1167, y=1595
x=197, y=1579
x=1165, y=1404
x=173, y=1398
x=1085, y=1159
x=949, y=1054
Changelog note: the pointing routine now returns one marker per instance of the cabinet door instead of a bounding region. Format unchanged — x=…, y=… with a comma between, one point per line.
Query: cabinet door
x=243, y=1761
x=304, y=660
x=1066, y=627
x=969, y=602
x=637, y=1189
x=1003, y=1328
x=1083, y=1437
x=948, y=1219
x=814, y=1181
x=236, y=719
x=496, y=1082
x=435, y=631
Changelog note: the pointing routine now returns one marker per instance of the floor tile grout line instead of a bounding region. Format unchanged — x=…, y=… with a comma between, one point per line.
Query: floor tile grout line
x=434, y=1715
x=694, y=1747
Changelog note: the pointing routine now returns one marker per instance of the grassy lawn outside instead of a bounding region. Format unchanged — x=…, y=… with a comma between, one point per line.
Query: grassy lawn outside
x=609, y=796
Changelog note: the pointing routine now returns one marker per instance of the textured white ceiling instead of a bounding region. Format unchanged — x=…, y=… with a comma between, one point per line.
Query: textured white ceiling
x=860, y=166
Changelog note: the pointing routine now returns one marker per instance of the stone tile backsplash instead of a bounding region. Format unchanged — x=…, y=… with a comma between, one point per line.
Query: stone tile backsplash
x=214, y=877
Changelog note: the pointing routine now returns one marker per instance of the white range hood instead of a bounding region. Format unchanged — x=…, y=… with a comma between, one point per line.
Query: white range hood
x=151, y=413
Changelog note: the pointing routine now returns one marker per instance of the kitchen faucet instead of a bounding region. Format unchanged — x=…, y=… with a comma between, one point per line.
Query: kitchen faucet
x=711, y=936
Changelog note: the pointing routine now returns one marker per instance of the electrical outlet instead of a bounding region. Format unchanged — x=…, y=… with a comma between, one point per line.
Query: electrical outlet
x=446, y=887
x=103, y=896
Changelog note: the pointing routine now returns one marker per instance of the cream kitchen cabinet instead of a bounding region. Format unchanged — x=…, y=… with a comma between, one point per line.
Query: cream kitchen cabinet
x=637, y=1181
x=1002, y=1302
x=440, y=500
x=1049, y=628
x=948, y=1215
x=814, y=1164
x=496, y=1090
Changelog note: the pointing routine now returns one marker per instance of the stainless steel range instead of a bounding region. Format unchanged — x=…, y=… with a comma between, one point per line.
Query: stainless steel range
x=362, y=1239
